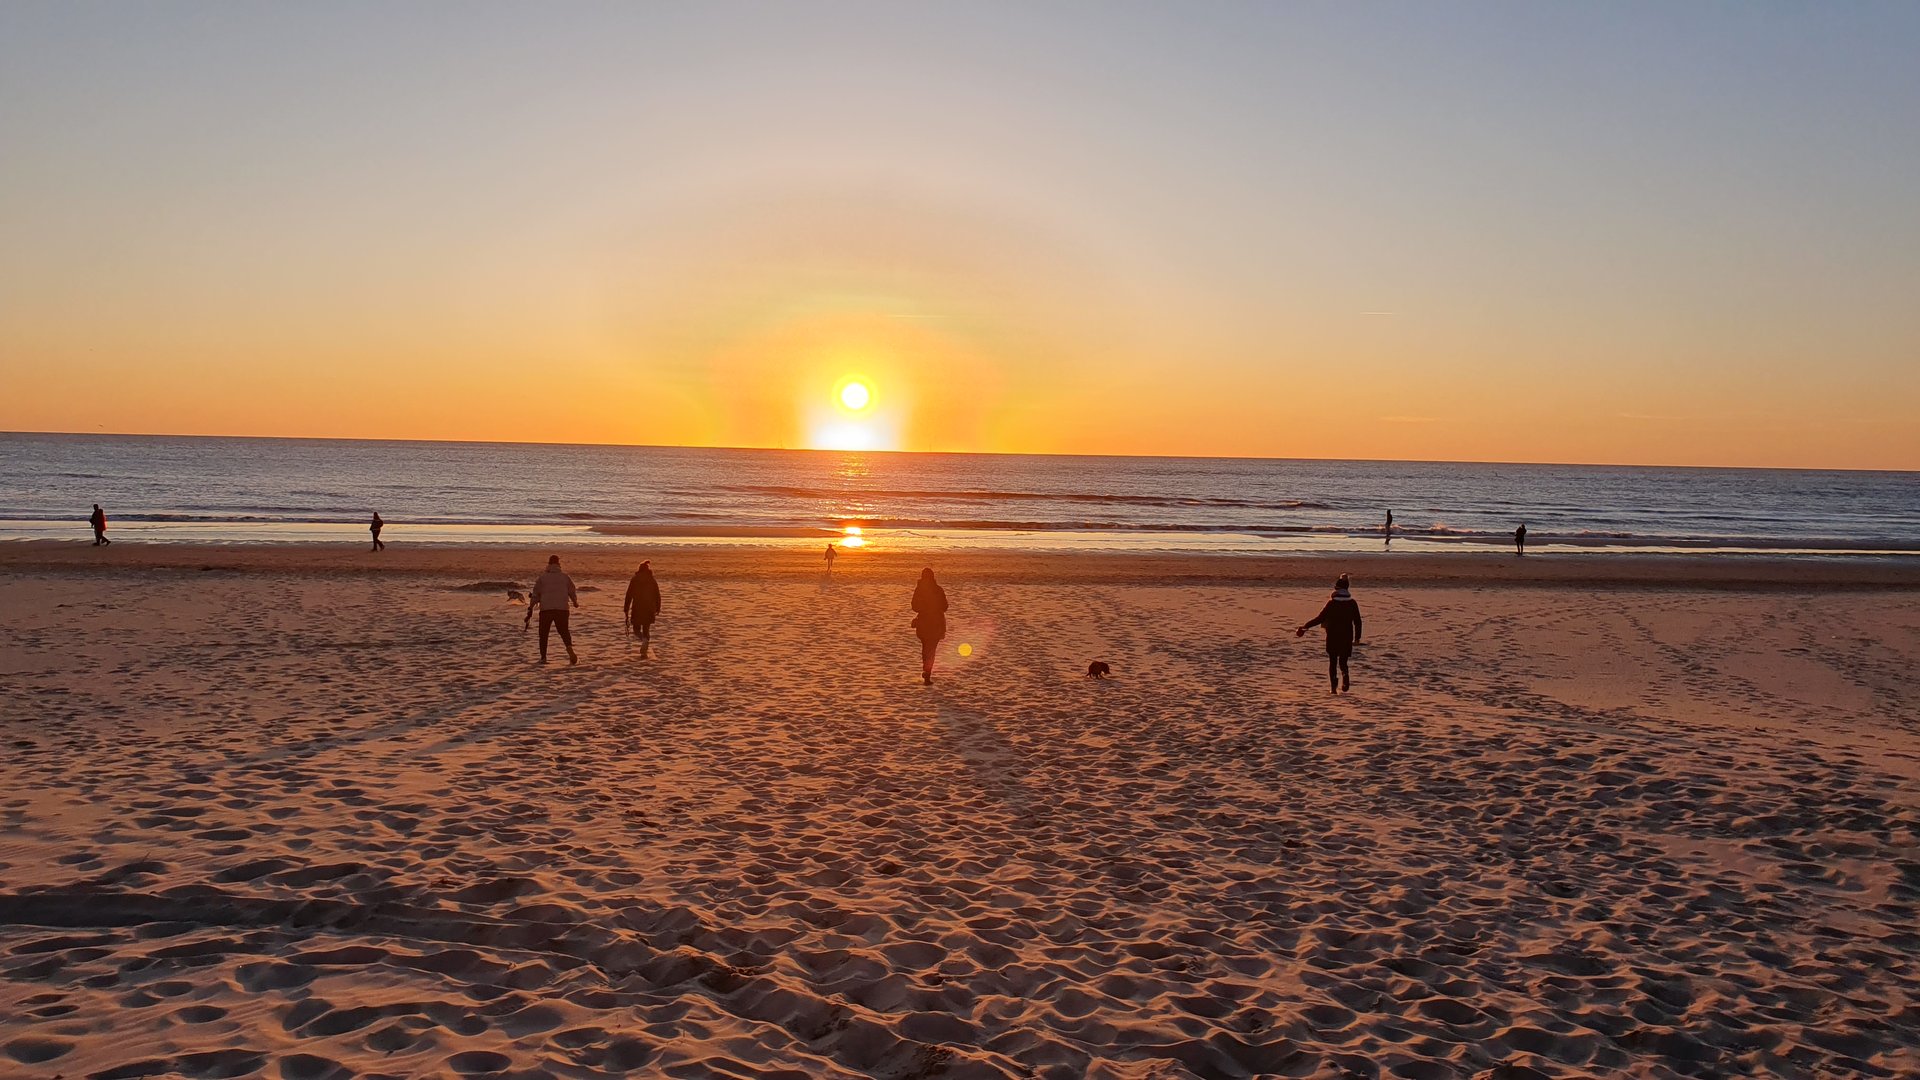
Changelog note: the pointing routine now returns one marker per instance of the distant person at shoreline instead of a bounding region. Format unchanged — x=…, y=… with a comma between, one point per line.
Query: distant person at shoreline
x=1388, y=528
x=642, y=605
x=1341, y=618
x=929, y=620
x=1520, y=539
x=375, y=528
x=831, y=555
x=552, y=591
x=99, y=522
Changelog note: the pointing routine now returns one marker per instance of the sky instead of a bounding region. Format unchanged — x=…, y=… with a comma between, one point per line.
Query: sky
x=1630, y=232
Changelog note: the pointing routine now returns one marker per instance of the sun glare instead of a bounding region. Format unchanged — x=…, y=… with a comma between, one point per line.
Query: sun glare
x=852, y=416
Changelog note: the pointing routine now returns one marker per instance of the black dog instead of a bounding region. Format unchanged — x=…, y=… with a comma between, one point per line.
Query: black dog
x=1098, y=670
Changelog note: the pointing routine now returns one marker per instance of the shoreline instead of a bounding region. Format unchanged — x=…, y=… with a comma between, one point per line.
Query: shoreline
x=521, y=561
x=937, y=537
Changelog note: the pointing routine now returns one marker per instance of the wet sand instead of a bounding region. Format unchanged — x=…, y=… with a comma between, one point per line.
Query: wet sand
x=292, y=811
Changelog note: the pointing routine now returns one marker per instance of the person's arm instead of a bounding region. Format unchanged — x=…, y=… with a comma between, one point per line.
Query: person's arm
x=1315, y=621
x=1356, y=624
x=572, y=595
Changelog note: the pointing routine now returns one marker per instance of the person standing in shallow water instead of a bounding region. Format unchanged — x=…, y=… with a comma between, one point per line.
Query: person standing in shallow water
x=642, y=605
x=1520, y=539
x=98, y=519
x=929, y=620
x=552, y=592
x=1341, y=618
x=831, y=555
x=375, y=528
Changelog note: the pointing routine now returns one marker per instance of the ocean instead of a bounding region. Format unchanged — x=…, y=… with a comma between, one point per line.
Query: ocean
x=278, y=490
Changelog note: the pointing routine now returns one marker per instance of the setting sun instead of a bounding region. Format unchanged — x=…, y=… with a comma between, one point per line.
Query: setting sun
x=855, y=396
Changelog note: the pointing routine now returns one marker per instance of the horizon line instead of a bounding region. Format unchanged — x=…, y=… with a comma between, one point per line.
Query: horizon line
x=959, y=453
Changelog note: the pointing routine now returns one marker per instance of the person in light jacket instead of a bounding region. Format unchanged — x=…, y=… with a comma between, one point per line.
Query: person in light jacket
x=552, y=591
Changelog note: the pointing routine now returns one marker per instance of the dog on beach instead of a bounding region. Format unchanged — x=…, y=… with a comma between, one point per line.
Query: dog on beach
x=1098, y=670
x=515, y=596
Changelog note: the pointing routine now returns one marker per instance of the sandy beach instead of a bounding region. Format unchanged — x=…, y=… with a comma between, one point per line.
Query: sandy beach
x=304, y=812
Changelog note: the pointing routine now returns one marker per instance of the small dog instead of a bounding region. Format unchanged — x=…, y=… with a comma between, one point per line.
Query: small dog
x=1098, y=670
x=514, y=596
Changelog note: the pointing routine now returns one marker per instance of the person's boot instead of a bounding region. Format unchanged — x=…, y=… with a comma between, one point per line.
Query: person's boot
x=572, y=657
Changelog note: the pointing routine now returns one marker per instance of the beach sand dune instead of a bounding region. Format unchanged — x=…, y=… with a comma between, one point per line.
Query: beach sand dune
x=284, y=820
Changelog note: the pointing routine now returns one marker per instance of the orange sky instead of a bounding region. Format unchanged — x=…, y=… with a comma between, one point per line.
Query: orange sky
x=1282, y=235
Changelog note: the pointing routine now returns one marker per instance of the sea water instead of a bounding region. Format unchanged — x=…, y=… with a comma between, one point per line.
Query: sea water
x=264, y=490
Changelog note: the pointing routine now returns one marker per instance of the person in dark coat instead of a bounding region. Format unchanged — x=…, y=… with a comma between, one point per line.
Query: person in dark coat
x=99, y=522
x=1520, y=539
x=929, y=620
x=1341, y=618
x=374, y=527
x=642, y=605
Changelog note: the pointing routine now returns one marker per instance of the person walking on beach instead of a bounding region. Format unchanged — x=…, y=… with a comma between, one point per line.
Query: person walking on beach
x=553, y=590
x=642, y=605
x=1520, y=539
x=831, y=555
x=375, y=528
x=1341, y=618
x=1388, y=528
x=929, y=620
x=99, y=522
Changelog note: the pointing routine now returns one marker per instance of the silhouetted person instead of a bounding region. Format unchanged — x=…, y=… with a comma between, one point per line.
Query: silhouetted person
x=375, y=528
x=99, y=523
x=1520, y=539
x=1341, y=618
x=831, y=555
x=929, y=620
x=642, y=605
x=1388, y=528
x=552, y=592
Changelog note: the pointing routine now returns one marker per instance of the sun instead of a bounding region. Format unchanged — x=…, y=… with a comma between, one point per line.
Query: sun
x=855, y=396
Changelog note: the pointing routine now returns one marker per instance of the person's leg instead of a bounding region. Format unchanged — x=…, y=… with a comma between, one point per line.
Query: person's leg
x=927, y=649
x=546, y=625
x=1333, y=671
x=1344, y=683
x=566, y=635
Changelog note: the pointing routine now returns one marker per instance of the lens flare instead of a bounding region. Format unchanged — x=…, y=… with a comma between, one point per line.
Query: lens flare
x=966, y=649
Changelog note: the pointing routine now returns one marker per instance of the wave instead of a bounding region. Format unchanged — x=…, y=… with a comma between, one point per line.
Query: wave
x=985, y=495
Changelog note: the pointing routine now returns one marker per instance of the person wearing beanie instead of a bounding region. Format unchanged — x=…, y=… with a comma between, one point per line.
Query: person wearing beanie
x=1341, y=619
